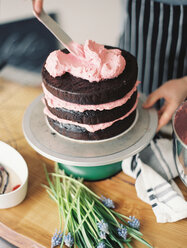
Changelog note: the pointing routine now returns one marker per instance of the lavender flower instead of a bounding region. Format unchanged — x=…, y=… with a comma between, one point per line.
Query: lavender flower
x=101, y=245
x=68, y=240
x=102, y=235
x=122, y=231
x=107, y=202
x=56, y=239
x=134, y=223
x=103, y=227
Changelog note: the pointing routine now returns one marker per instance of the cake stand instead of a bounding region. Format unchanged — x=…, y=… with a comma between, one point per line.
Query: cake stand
x=92, y=160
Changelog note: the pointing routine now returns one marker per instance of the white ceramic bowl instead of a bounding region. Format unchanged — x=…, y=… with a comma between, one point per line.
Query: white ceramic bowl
x=12, y=159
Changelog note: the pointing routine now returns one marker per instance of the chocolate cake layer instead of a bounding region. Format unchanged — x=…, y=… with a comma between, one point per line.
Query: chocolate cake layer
x=94, y=117
x=81, y=91
x=79, y=133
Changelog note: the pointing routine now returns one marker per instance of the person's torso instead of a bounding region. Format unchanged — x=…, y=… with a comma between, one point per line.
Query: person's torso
x=155, y=32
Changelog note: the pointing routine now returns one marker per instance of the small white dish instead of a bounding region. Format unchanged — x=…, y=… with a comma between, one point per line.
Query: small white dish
x=13, y=162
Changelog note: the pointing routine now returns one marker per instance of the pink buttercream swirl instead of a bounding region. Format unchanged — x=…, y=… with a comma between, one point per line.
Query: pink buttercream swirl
x=95, y=62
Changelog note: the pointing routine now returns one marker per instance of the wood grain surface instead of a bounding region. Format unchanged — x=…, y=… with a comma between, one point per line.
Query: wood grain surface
x=33, y=222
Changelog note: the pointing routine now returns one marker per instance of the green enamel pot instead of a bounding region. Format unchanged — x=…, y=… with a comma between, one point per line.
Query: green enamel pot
x=92, y=173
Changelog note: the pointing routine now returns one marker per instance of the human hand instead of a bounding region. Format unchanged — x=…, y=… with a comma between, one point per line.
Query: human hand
x=174, y=93
x=37, y=5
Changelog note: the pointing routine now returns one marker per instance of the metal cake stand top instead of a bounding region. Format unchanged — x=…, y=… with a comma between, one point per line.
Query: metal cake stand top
x=89, y=153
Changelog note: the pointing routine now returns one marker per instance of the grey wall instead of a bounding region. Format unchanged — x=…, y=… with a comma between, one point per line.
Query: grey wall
x=97, y=20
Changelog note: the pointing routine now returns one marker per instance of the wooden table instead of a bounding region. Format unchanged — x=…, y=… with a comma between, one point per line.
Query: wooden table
x=33, y=222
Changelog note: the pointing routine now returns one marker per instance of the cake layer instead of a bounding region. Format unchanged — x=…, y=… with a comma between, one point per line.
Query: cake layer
x=55, y=102
x=90, y=127
x=94, y=117
x=81, y=91
x=80, y=133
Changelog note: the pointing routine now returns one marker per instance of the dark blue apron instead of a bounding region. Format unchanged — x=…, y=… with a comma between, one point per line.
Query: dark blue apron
x=156, y=33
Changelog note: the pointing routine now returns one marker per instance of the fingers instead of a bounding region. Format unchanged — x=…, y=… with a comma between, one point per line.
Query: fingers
x=37, y=5
x=152, y=99
x=165, y=115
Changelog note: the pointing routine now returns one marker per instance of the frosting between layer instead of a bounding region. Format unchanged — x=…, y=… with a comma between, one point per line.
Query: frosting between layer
x=94, y=62
x=55, y=102
x=90, y=128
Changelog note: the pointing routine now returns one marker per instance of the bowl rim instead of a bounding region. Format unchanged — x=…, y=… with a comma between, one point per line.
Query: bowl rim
x=24, y=164
x=173, y=124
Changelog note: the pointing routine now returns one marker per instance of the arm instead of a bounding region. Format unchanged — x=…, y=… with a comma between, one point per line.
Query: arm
x=174, y=93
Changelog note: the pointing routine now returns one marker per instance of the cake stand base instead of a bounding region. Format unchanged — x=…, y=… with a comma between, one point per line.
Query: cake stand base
x=92, y=173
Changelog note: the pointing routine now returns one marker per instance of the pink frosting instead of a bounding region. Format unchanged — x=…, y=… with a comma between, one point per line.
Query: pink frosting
x=94, y=62
x=181, y=122
x=90, y=128
x=55, y=102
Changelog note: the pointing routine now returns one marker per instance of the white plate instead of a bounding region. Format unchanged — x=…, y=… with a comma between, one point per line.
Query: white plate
x=12, y=159
x=68, y=151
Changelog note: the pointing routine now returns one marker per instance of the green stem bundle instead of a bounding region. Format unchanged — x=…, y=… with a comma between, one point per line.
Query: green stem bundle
x=86, y=219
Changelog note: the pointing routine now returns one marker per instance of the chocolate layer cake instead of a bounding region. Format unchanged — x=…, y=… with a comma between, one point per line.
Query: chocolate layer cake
x=84, y=110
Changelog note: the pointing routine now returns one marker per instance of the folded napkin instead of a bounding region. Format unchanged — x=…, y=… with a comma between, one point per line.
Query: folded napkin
x=154, y=168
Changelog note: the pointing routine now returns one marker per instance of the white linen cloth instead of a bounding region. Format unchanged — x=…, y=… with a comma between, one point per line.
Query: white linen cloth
x=154, y=170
